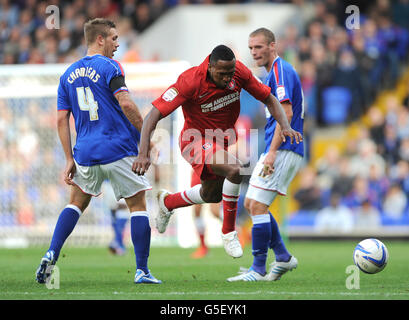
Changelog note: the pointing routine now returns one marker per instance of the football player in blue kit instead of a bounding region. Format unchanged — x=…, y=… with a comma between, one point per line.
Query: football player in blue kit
x=277, y=166
x=108, y=124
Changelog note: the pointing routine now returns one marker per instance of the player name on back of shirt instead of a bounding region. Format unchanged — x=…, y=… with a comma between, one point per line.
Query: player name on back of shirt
x=88, y=72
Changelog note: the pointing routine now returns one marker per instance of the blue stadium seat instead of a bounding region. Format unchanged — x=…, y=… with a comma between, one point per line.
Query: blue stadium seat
x=303, y=218
x=387, y=221
x=336, y=103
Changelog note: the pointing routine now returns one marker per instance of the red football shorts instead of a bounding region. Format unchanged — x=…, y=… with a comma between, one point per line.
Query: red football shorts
x=198, y=153
x=195, y=180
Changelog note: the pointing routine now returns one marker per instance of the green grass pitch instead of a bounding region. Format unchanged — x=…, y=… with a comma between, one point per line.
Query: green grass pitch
x=92, y=273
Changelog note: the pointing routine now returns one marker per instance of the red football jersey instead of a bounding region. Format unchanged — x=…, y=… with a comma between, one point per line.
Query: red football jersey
x=204, y=105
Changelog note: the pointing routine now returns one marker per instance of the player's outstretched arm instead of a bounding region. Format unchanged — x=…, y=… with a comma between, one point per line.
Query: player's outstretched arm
x=143, y=161
x=276, y=141
x=64, y=133
x=276, y=110
x=130, y=109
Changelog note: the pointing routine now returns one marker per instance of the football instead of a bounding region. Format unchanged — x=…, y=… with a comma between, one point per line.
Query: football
x=371, y=256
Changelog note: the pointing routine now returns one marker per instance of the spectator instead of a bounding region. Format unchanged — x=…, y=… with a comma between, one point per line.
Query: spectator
x=391, y=144
x=25, y=47
x=402, y=122
x=366, y=64
x=400, y=13
x=395, y=202
x=334, y=218
x=142, y=18
x=377, y=127
x=324, y=72
x=348, y=75
x=366, y=157
x=399, y=174
x=404, y=149
x=11, y=47
x=308, y=78
x=367, y=217
x=343, y=182
x=9, y=13
x=360, y=192
x=378, y=184
x=308, y=195
x=157, y=8
x=127, y=36
x=328, y=167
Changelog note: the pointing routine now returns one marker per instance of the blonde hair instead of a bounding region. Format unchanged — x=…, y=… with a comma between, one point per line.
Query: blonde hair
x=95, y=27
x=270, y=37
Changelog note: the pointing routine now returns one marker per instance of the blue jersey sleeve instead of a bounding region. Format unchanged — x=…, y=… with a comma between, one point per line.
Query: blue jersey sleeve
x=282, y=88
x=115, y=70
x=63, y=102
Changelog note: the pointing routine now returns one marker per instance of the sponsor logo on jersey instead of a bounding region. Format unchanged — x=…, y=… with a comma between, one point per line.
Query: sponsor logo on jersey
x=206, y=146
x=232, y=85
x=220, y=102
x=170, y=94
x=280, y=92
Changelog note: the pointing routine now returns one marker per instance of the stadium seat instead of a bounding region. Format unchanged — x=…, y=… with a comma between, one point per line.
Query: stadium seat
x=403, y=221
x=336, y=103
x=303, y=218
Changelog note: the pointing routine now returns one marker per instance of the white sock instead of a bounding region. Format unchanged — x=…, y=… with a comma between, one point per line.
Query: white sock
x=199, y=225
x=192, y=195
x=231, y=191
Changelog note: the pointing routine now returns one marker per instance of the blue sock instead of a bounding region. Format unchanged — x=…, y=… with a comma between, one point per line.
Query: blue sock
x=276, y=242
x=66, y=223
x=119, y=228
x=141, y=238
x=261, y=234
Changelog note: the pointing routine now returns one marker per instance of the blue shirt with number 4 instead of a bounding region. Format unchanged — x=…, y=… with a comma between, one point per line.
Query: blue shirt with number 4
x=104, y=134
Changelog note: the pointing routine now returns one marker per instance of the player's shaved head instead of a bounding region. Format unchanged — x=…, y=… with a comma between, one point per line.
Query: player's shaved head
x=268, y=35
x=221, y=52
x=95, y=27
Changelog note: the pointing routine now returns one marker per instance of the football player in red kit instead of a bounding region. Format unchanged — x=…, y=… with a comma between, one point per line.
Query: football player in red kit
x=210, y=98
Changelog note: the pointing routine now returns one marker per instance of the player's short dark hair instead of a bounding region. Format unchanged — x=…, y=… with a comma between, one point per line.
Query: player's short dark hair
x=95, y=27
x=222, y=52
x=269, y=35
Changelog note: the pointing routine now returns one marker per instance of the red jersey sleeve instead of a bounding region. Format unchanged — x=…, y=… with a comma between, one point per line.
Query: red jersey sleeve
x=175, y=95
x=169, y=101
x=252, y=85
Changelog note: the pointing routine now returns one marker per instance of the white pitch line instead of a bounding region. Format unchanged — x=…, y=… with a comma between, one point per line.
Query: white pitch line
x=214, y=293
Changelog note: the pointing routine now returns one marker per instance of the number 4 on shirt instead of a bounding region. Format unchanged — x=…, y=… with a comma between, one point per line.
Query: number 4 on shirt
x=87, y=102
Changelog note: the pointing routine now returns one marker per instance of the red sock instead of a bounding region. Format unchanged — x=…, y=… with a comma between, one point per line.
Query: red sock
x=184, y=198
x=176, y=200
x=229, y=213
x=202, y=240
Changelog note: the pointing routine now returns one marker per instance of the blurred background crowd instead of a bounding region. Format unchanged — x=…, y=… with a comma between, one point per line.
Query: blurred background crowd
x=364, y=182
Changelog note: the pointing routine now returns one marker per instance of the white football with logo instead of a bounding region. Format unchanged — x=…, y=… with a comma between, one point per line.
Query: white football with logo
x=371, y=256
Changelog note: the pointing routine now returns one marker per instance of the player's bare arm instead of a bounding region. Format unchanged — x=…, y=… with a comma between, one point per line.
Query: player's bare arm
x=143, y=161
x=276, y=141
x=130, y=109
x=64, y=133
x=277, y=111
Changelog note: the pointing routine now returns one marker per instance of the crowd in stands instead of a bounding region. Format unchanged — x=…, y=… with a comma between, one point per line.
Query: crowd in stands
x=366, y=183
x=369, y=179
x=326, y=53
